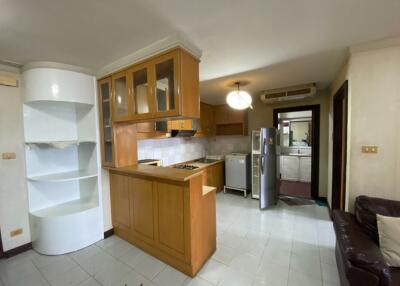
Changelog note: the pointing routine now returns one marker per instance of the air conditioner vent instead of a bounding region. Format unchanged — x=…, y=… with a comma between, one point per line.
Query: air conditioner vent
x=288, y=93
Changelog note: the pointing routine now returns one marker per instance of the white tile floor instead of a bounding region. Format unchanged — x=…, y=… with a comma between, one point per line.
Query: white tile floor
x=285, y=245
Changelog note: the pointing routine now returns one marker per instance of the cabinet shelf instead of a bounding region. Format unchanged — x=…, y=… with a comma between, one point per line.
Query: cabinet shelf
x=71, y=207
x=58, y=144
x=64, y=176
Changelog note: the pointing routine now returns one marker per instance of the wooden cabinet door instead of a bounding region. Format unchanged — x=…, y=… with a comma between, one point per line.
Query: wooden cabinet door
x=145, y=127
x=206, y=126
x=170, y=218
x=106, y=132
x=121, y=96
x=236, y=116
x=219, y=176
x=120, y=201
x=221, y=114
x=142, y=103
x=165, y=86
x=142, y=208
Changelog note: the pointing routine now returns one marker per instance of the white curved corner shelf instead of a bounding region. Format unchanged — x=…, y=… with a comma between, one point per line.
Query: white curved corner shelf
x=65, y=176
x=58, y=85
x=58, y=144
x=71, y=207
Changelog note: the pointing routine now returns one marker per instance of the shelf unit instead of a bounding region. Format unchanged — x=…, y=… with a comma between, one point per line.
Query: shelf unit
x=65, y=176
x=62, y=165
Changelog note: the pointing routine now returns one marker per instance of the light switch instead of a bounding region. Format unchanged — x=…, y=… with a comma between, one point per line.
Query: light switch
x=369, y=149
x=8, y=156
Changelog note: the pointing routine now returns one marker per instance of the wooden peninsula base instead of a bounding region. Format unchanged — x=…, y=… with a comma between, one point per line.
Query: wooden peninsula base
x=165, y=212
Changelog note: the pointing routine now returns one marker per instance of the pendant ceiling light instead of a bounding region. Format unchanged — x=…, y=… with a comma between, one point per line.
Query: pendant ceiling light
x=239, y=99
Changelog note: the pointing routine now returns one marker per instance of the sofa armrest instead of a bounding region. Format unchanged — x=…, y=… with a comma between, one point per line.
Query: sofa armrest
x=358, y=248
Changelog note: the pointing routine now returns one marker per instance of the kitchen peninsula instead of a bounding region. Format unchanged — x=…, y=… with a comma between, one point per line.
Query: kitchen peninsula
x=165, y=211
x=168, y=212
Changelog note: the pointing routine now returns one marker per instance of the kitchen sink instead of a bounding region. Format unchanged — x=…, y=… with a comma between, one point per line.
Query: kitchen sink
x=206, y=161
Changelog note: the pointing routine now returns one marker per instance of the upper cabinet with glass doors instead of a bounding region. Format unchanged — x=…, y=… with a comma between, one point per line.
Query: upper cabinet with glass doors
x=164, y=86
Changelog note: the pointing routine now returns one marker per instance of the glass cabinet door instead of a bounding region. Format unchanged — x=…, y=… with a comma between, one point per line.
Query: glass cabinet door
x=121, y=96
x=140, y=90
x=165, y=89
x=105, y=120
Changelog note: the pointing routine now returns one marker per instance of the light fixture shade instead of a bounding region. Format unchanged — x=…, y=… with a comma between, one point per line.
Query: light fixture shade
x=239, y=99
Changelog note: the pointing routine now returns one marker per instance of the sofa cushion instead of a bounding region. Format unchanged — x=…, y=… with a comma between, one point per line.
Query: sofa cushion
x=395, y=276
x=389, y=239
x=366, y=209
x=358, y=248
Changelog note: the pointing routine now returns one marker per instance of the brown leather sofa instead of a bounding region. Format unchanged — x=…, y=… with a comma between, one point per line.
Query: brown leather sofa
x=358, y=257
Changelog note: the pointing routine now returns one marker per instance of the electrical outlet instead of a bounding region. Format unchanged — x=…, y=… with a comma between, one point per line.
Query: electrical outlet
x=369, y=149
x=8, y=156
x=16, y=232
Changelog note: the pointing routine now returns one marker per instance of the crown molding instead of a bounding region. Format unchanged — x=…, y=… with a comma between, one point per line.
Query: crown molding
x=375, y=45
x=172, y=41
x=54, y=65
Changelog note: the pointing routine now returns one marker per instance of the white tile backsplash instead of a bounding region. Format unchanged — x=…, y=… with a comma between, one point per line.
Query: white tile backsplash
x=172, y=150
x=223, y=145
x=177, y=150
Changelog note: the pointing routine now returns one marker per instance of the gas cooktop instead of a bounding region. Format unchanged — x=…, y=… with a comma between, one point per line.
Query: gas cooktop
x=185, y=167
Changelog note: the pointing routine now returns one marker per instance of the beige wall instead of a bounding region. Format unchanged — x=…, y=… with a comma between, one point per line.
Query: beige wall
x=262, y=116
x=374, y=105
x=13, y=195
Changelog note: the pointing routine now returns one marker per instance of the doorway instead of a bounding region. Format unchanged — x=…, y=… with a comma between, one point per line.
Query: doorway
x=1, y=247
x=339, y=150
x=299, y=155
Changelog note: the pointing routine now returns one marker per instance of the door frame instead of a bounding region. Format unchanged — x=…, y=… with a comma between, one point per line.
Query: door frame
x=1, y=247
x=339, y=147
x=316, y=111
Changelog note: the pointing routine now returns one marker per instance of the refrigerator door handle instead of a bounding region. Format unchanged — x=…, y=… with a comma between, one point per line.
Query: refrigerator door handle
x=262, y=158
x=264, y=146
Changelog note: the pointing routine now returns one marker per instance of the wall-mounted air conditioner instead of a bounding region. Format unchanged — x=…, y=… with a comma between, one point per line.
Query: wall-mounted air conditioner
x=288, y=93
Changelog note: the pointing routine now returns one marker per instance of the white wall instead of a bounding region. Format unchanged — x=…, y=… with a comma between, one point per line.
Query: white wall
x=262, y=116
x=374, y=105
x=13, y=195
x=222, y=145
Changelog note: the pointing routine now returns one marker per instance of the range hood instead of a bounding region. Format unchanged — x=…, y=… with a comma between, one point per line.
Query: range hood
x=183, y=133
x=162, y=126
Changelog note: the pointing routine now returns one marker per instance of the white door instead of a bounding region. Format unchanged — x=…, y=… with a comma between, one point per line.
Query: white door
x=305, y=169
x=290, y=168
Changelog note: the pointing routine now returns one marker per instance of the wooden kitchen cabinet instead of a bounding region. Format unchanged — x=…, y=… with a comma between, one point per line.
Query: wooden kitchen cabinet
x=121, y=97
x=117, y=139
x=229, y=121
x=120, y=204
x=206, y=127
x=214, y=176
x=180, y=124
x=163, y=86
x=172, y=220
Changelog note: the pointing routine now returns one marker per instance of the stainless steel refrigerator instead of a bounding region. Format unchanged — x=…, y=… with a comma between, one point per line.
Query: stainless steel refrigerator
x=264, y=149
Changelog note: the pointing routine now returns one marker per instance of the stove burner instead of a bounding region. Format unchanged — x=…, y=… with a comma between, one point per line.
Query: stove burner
x=185, y=167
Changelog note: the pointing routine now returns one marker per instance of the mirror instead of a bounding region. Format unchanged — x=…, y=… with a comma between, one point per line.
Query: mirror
x=296, y=132
x=301, y=133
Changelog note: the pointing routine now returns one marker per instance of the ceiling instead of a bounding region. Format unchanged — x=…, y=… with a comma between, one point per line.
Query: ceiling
x=270, y=43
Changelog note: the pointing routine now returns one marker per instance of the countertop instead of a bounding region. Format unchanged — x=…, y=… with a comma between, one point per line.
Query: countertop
x=158, y=172
x=167, y=172
x=201, y=166
x=296, y=155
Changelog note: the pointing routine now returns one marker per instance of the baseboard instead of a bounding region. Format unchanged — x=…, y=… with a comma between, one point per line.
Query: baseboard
x=108, y=233
x=17, y=250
